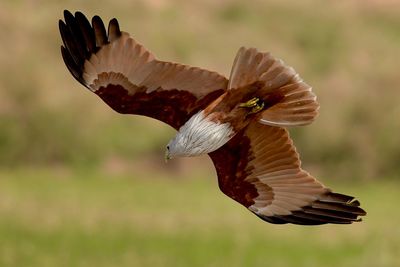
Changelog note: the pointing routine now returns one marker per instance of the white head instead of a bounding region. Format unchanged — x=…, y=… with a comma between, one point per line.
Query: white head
x=198, y=136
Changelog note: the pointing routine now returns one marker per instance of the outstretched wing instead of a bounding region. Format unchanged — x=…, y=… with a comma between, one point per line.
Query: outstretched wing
x=129, y=78
x=298, y=105
x=260, y=169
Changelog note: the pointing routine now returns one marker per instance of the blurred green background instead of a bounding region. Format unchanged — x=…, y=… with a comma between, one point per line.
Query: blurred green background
x=81, y=185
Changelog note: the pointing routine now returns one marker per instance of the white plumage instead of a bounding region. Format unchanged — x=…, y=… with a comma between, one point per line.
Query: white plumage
x=198, y=136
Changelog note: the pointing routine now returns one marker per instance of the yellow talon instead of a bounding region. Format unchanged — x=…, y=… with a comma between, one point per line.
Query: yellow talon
x=252, y=103
x=257, y=108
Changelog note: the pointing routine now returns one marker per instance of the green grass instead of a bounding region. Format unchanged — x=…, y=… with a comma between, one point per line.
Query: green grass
x=84, y=218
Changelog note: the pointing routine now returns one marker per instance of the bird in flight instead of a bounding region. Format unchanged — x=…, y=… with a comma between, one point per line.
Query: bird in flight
x=240, y=123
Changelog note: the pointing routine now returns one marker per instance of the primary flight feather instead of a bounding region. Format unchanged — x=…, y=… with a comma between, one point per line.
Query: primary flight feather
x=238, y=122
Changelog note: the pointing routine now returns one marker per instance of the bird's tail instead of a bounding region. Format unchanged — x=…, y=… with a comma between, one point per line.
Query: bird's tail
x=290, y=101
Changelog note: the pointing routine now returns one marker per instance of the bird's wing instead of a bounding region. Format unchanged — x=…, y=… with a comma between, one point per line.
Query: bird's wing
x=298, y=105
x=129, y=78
x=260, y=169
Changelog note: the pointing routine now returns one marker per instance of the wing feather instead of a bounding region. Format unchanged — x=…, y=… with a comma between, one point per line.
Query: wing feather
x=261, y=169
x=129, y=78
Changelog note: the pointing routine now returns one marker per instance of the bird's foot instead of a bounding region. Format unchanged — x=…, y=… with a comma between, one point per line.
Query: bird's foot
x=257, y=108
x=250, y=104
x=255, y=104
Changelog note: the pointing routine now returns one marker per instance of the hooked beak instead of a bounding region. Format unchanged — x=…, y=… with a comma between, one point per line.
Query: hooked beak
x=167, y=156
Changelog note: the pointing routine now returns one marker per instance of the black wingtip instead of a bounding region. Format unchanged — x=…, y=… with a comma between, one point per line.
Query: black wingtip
x=61, y=28
x=82, y=39
x=99, y=31
x=114, y=31
x=87, y=31
x=72, y=67
x=67, y=13
x=331, y=208
x=114, y=20
x=78, y=13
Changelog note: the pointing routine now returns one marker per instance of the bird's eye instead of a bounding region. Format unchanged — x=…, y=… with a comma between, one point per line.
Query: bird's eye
x=167, y=147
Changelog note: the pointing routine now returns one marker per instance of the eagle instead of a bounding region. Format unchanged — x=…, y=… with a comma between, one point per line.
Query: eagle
x=239, y=122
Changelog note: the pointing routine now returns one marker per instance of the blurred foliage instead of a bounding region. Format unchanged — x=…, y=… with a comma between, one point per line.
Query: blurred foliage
x=348, y=50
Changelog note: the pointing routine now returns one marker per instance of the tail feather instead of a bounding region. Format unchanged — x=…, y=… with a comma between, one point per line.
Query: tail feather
x=293, y=102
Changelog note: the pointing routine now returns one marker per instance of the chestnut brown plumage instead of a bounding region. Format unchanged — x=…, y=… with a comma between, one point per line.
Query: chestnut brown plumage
x=239, y=123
